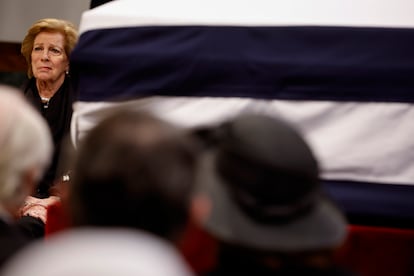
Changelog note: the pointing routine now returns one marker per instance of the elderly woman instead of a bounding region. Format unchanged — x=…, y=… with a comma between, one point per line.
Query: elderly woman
x=46, y=48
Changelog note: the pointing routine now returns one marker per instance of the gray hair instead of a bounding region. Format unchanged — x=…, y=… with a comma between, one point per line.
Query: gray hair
x=25, y=144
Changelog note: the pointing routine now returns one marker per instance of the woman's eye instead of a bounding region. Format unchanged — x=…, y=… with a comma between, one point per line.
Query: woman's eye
x=51, y=51
x=55, y=51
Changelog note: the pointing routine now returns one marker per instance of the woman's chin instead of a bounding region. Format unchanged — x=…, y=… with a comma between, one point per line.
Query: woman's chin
x=43, y=77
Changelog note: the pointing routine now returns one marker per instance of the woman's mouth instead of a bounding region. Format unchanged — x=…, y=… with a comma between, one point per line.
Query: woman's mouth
x=44, y=68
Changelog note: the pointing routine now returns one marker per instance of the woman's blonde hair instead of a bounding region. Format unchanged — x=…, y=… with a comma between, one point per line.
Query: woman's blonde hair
x=66, y=28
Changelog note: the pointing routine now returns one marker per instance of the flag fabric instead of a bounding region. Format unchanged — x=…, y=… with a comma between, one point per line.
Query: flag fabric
x=342, y=72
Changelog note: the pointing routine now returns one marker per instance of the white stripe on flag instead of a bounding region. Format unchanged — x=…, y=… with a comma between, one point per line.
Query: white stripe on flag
x=133, y=13
x=368, y=142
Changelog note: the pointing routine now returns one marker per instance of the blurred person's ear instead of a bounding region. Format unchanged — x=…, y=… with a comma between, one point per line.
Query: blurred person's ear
x=200, y=208
x=27, y=186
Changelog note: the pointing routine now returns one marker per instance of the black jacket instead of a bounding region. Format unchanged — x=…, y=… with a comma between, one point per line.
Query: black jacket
x=12, y=239
x=58, y=114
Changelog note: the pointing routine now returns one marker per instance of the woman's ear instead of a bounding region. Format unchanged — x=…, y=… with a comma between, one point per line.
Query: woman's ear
x=200, y=208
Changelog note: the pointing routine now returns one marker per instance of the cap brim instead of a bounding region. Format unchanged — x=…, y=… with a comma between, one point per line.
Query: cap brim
x=323, y=227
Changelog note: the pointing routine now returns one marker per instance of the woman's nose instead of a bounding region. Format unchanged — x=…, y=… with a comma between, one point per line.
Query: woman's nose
x=45, y=54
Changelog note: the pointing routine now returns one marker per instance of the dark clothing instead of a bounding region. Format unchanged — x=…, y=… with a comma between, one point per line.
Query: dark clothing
x=96, y=3
x=31, y=227
x=58, y=114
x=288, y=271
x=228, y=266
x=12, y=239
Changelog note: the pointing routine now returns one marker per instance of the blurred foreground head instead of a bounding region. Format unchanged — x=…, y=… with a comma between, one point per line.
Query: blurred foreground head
x=134, y=170
x=99, y=252
x=259, y=180
x=25, y=148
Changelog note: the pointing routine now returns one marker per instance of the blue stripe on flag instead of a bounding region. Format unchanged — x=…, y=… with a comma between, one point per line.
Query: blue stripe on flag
x=373, y=203
x=311, y=63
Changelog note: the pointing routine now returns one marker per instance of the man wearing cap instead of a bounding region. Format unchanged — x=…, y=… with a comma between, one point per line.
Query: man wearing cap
x=258, y=194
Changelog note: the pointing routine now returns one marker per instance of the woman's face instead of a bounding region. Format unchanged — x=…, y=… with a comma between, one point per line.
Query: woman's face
x=49, y=60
